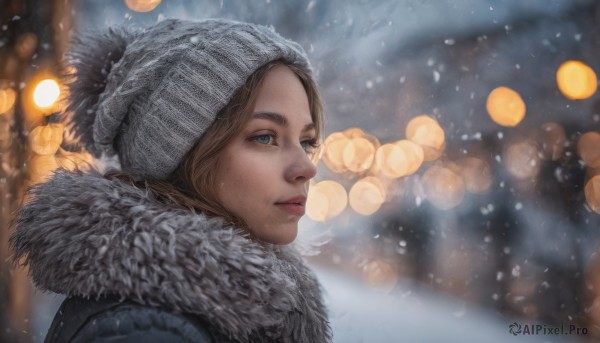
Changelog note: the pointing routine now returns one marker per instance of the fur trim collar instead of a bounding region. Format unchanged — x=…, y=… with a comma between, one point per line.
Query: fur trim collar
x=84, y=235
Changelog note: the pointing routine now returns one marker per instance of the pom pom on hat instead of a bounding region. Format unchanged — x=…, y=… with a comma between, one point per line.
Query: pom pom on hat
x=149, y=96
x=92, y=56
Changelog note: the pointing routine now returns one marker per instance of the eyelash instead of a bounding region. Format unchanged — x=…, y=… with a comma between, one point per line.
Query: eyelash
x=312, y=143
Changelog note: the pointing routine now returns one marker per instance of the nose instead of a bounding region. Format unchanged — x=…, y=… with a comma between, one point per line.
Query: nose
x=300, y=168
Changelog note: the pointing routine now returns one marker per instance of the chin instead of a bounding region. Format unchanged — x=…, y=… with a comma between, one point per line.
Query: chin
x=280, y=236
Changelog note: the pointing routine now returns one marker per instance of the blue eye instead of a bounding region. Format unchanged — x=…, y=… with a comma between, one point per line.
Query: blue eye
x=310, y=146
x=265, y=139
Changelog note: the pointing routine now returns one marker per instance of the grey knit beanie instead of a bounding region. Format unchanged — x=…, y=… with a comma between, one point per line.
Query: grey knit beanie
x=148, y=96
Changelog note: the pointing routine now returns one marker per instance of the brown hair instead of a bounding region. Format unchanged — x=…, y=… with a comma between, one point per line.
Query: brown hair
x=192, y=185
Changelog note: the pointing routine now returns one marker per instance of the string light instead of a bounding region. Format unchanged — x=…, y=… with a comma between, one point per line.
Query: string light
x=576, y=80
x=142, y=5
x=46, y=93
x=505, y=107
x=427, y=132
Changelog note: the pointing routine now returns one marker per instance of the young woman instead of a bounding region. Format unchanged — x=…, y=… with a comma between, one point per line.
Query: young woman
x=209, y=128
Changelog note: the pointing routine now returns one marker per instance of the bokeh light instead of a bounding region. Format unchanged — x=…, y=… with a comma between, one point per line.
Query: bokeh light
x=333, y=152
x=443, y=187
x=399, y=159
x=477, y=175
x=326, y=200
x=413, y=155
x=142, y=5
x=41, y=167
x=588, y=148
x=367, y=195
x=552, y=139
x=46, y=93
x=46, y=139
x=592, y=193
x=505, y=106
x=7, y=99
x=427, y=132
x=358, y=154
x=26, y=45
x=379, y=274
x=522, y=159
x=576, y=80
x=352, y=150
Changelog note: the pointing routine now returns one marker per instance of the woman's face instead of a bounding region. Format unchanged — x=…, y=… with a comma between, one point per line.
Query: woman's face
x=262, y=174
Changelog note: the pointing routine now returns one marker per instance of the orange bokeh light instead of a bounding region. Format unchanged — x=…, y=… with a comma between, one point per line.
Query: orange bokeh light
x=7, y=99
x=381, y=275
x=367, y=195
x=352, y=150
x=588, y=148
x=443, y=187
x=46, y=139
x=26, y=45
x=142, y=5
x=46, y=93
x=358, y=154
x=333, y=152
x=399, y=159
x=477, y=175
x=41, y=167
x=592, y=193
x=505, y=107
x=576, y=80
x=522, y=159
x=427, y=132
x=326, y=200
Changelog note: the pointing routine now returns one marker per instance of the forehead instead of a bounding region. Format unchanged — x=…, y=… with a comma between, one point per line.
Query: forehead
x=282, y=92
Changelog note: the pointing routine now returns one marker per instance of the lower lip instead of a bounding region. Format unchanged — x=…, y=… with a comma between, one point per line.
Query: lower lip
x=295, y=209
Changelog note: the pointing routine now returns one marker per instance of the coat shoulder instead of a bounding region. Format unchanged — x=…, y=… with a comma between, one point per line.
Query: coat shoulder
x=110, y=320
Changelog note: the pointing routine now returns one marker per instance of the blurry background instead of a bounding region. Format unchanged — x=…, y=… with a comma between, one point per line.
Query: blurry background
x=458, y=186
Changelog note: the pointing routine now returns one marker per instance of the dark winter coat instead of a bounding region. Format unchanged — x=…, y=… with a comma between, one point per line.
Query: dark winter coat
x=135, y=269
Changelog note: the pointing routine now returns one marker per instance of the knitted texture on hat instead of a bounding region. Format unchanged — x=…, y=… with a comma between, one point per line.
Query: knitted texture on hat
x=149, y=96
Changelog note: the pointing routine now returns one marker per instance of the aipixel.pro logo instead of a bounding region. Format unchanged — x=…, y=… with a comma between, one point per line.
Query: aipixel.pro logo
x=514, y=328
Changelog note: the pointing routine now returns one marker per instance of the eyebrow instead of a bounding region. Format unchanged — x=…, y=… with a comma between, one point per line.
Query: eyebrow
x=280, y=120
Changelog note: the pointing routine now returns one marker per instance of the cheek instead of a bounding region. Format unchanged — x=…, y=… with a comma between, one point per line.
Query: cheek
x=245, y=181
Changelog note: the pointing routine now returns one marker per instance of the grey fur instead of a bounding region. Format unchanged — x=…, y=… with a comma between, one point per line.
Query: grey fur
x=82, y=234
x=92, y=56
